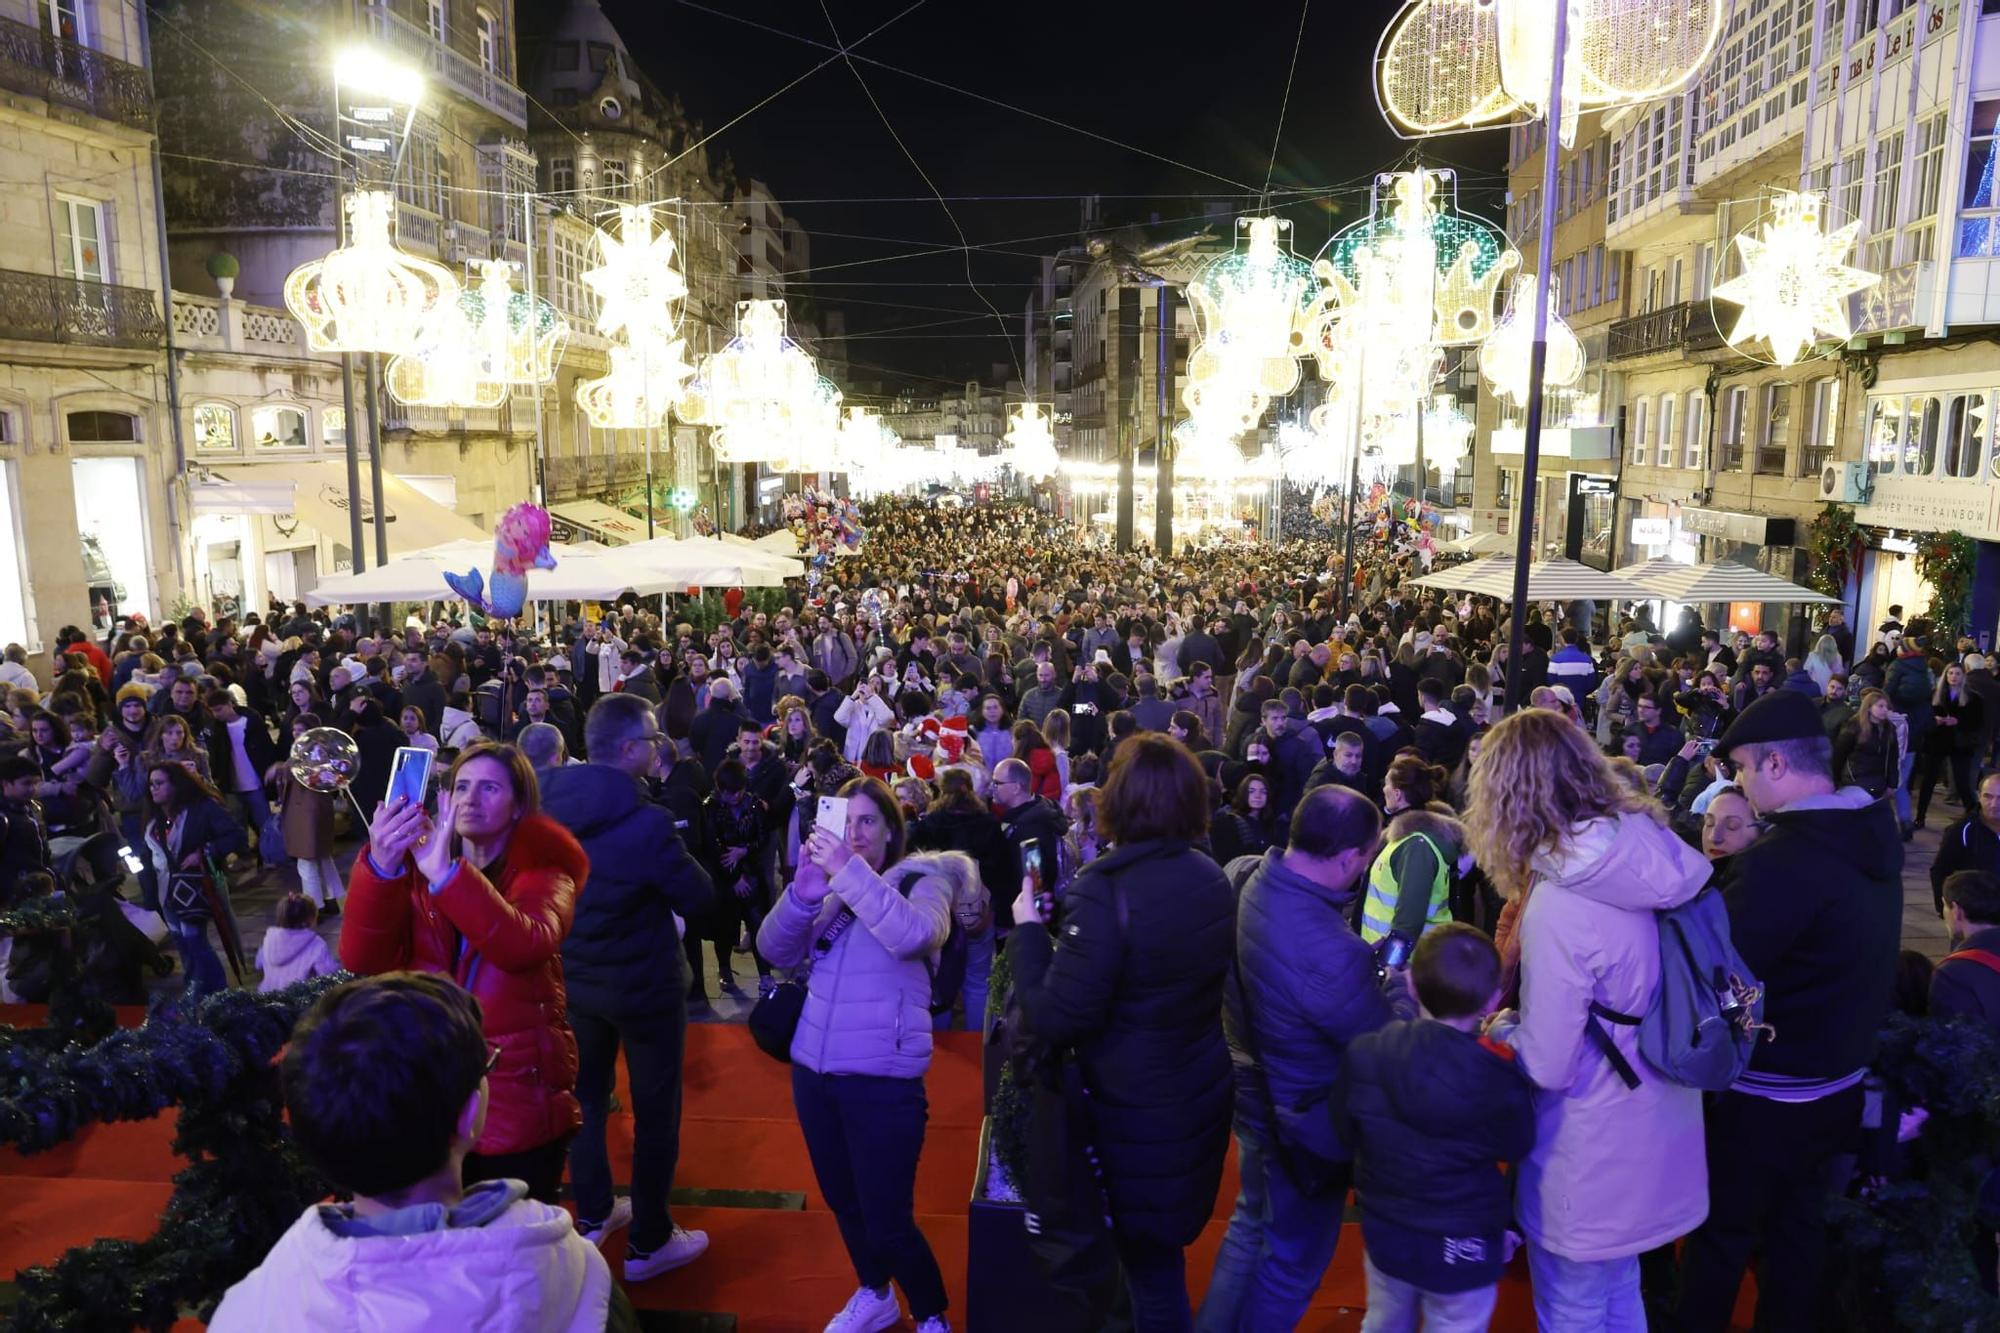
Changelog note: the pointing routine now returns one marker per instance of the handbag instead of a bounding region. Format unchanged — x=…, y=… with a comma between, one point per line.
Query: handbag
x=774, y=1019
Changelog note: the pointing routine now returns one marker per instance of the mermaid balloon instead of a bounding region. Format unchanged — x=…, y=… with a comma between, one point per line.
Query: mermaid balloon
x=520, y=543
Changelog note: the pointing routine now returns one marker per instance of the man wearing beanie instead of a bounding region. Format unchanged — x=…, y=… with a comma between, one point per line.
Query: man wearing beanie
x=1815, y=908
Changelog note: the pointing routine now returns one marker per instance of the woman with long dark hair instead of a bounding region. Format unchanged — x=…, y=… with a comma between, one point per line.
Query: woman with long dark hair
x=1032, y=749
x=188, y=831
x=1248, y=825
x=1953, y=740
x=865, y=917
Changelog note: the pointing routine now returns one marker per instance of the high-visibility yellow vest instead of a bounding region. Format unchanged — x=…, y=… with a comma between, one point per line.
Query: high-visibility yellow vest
x=1378, y=912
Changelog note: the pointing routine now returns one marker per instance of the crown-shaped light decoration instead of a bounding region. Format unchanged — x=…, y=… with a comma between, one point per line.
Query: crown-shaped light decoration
x=760, y=392
x=475, y=349
x=644, y=386
x=863, y=442
x=1503, y=359
x=366, y=295
x=1031, y=443
x=1446, y=65
x=1254, y=308
x=640, y=294
x=1795, y=282
x=815, y=446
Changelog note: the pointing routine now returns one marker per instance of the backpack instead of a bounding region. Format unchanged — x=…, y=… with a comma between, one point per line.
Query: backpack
x=1708, y=1013
x=947, y=969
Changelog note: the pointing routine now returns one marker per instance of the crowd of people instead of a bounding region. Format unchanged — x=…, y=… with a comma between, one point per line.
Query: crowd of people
x=1263, y=848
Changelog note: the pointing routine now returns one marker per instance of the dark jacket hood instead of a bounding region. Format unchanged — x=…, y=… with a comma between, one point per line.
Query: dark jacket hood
x=589, y=799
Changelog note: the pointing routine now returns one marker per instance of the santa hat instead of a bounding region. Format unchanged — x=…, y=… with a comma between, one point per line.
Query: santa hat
x=920, y=766
x=957, y=724
x=930, y=728
x=951, y=745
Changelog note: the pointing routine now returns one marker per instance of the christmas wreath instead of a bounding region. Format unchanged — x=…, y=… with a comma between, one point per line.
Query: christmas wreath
x=1946, y=561
x=1833, y=539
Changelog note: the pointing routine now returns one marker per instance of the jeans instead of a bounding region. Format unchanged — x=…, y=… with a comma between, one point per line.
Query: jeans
x=1903, y=767
x=864, y=1133
x=1575, y=1296
x=978, y=972
x=1394, y=1306
x=653, y=1045
x=540, y=1166
x=1769, y=1168
x=1156, y=1278
x=1277, y=1248
x=199, y=960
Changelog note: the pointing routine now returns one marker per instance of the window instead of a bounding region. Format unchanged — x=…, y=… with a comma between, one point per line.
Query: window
x=1822, y=425
x=1615, y=264
x=1704, y=270
x=278, y=428
x=1980, y=235
x=489, y=42
x=15, y=626
x=215, y=428
x=111, y=533
x=102, y=428
x=1885, y=433
x=1665, y=452
x=1637, y=428
x=612, y=178
x=1597, y=276
x=563, y=56
x=1694, y=431
x=1920, y=440
x=1847, y=203
x=1735, y=403
x=562, y=175
x=333, y=427
x=1920, y=239
x=1882, y=216
x=1776, y=439
x=1864, y=18
x=435, y=21
x=1964, y=435
x=79, y=238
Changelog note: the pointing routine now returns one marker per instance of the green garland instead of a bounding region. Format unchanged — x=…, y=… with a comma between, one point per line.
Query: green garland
x=1946, y=561
x=78, y=1010
x=1833, y=539
x=1010, y=1100
x=1901, y=1257
x=246, y=1183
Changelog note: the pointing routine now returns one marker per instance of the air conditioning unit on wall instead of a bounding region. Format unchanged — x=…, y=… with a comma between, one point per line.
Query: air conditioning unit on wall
x=1846, y=483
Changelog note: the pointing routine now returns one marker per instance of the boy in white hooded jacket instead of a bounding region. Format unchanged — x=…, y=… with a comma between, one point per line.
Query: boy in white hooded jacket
x=385, y=1082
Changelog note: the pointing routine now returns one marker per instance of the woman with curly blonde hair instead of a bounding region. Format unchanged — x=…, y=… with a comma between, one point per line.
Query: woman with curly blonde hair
x=1615, y=1171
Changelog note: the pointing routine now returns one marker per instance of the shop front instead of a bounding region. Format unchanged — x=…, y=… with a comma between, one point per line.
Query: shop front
x=1901, y=511
x=1762, y=541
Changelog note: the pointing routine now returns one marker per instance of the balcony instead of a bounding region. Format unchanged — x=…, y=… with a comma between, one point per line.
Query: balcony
x=70, y=74
x=1687, y=327
x=39, y=308
x=202, y=323
x=464, y=75
x=571, y=477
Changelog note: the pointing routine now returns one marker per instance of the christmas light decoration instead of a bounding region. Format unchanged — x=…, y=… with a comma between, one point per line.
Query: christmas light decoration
x=1254, y=309
x=479, y=346
x=1313, y=458
x=760, y=392
x=1795, y=282
x=640, y=294
x=366, y=295
x=1446, y=65
x=1503, y=359
x=1031, y=443
x=864, y=441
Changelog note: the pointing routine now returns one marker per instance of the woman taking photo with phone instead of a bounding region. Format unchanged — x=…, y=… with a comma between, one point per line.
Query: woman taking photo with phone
x=865, y=918
x=484, y=894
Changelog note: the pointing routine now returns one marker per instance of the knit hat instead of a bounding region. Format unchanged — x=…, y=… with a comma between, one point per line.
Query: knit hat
x=133, y=690
x=1781, y=715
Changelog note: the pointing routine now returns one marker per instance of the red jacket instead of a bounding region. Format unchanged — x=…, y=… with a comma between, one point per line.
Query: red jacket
x=511, y=961
x=1046, y=777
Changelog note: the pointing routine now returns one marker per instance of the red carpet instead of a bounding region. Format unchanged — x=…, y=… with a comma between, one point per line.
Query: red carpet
x=775, y=1269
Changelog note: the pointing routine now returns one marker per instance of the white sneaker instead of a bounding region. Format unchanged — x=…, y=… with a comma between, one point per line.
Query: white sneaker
x=682, y=1248
x=621, y=1216
x=935, y=1324
x=865, y=1312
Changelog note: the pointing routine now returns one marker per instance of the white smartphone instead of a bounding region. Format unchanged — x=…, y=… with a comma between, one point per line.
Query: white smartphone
x=832, y=815
x=410, y=774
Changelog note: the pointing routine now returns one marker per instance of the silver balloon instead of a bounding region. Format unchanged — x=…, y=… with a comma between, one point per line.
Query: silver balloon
x=325, y=759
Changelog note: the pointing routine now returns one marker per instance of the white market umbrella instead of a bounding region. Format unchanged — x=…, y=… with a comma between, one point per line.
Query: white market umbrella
x=587, y=572
x=1718, y=581
x=710, y=564
x=1479, y=543
x=1557, y=580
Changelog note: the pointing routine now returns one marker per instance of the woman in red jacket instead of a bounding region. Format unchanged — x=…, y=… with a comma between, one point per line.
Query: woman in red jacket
x=1032, y=749
x=484, y=896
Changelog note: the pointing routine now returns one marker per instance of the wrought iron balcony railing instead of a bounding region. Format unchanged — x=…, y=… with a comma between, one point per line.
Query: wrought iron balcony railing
x=72, y=74
x=40, y=308
x=1687, y=327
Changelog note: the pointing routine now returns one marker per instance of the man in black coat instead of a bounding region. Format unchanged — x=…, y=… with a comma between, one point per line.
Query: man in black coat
x=1816, y=911
x=623, y=972
x=1973, y=843
x=714, y=727
x=1023, y=816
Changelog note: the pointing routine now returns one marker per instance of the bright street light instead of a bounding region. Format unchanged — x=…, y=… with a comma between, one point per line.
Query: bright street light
x=368, y=71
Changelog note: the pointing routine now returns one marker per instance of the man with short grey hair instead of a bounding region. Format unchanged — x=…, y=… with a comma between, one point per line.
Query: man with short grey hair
x=543, y=744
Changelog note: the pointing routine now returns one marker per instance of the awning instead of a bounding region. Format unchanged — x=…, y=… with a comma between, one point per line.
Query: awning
x=316, y=493
x=1721, y=581
x=582, y=574
x=1479, y=543
x=613, y=526
x=1557, y=580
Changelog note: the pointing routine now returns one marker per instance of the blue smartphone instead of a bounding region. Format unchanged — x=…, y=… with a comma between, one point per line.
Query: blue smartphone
x=410, y=774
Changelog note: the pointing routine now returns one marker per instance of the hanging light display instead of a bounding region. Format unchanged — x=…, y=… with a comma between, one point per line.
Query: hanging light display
x=1446, y=65
x=1254, y=310
x=817, y=436
x=760, y=392
x=1031, y=443
x=477, y=348
x=640, y=296
x=1504, y=358
x=1314, y=457
x=368, y=296
x=1795, y=282
x=864, y=441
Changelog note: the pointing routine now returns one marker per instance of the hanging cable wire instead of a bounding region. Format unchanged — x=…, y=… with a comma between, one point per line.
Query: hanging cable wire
x=1277, y=135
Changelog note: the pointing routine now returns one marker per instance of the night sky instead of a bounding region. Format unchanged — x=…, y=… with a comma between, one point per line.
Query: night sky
x=1198, y=86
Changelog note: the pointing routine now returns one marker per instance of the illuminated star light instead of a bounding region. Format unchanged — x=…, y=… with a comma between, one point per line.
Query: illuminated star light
x=1031, y=446
x=1795, y=281
x=639, y=288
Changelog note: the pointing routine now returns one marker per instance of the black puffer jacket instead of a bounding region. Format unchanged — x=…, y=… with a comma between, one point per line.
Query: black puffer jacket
x=1038, y=819
x=622, y=955
x=1428, y=1112
x=1141, y=1005
x=980, y=837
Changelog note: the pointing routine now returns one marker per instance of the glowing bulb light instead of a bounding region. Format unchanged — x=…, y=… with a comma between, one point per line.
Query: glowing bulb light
x=1031, y=443
x=1254, y=309
x=368, y=296
x=864, y=441
x=1503, y=360
x=1795, y=282
x=640, y=295
x=479, y=346
x=760, y=392
x=1446, y=65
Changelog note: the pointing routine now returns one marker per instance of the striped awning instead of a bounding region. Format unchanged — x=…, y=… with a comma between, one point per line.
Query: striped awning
x=1558, y=580
x=1456, y=576
x=1719, y=581
x=1480, y=543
